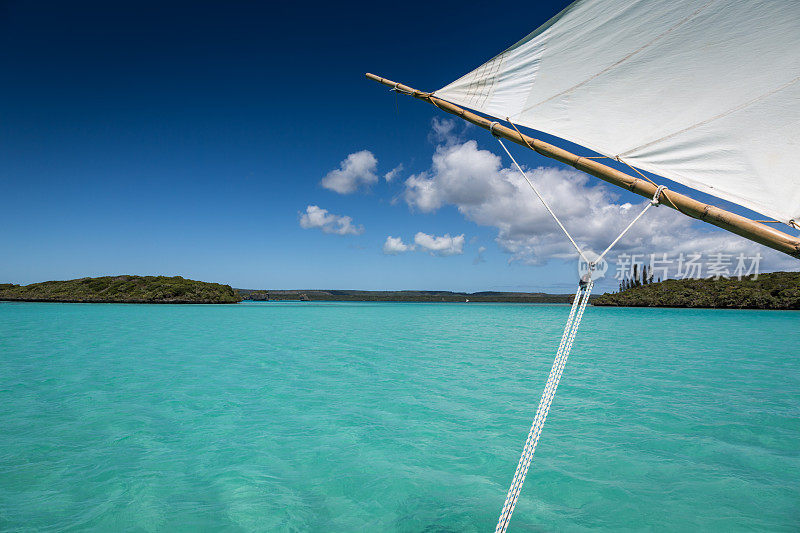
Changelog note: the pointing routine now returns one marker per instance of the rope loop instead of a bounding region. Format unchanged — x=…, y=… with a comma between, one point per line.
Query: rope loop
x=397, y=89
x=655, y=201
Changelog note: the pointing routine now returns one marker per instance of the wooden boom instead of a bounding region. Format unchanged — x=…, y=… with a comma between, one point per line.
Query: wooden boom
x=721, y=218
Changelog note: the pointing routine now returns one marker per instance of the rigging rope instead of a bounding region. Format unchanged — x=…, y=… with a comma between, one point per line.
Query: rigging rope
x=564, y=348
x=654, y=202
x=544, y=202
x=568, y=337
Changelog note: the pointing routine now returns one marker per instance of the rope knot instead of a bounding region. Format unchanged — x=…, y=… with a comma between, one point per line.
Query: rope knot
x=397, y=89
x=655, y=201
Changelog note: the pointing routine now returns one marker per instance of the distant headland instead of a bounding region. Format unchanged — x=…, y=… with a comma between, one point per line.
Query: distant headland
x=775, y=290
x=403, y=296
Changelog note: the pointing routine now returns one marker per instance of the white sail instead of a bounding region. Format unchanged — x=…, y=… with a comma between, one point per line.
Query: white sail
x=705, y=93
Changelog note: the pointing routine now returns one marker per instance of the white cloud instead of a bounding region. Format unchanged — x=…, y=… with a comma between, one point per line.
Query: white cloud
x=395, y=245
x=444, y=245
x=443, y=131
x=479, y=258
x=461, y=175
x=487, y=193
x=358, y=169
x=316, y=217
x=392, y=174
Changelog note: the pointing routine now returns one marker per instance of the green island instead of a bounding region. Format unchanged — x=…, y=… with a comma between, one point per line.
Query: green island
x=123, y=289
x=776, y=290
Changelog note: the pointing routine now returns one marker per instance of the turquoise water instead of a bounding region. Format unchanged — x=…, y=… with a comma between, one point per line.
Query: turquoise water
x=403, y=417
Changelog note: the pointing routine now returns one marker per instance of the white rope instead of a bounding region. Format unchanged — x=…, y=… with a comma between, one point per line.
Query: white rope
x=544, y=202
x=564, y=348
x=653, y=202
x=570, y=330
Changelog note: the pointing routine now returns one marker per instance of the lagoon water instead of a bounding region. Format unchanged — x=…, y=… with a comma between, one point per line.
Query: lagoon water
x=394, y=417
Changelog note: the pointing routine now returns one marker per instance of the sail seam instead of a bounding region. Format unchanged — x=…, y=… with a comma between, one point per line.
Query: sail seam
x=624, y=59
x=480, y=89
x=715, y=117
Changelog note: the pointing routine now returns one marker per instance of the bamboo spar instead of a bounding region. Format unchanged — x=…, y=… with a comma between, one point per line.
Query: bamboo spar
x=721, y=218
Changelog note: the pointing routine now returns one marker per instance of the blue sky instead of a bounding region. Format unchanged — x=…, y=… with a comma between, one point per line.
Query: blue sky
x=189, y=140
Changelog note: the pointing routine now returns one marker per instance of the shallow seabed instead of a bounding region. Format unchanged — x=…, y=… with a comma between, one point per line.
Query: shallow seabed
x=402, y=417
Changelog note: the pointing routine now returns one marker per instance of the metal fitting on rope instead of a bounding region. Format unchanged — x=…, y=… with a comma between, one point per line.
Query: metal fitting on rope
x=655, y=201
x=397, y=89
x=491, y=128
x=586, y=278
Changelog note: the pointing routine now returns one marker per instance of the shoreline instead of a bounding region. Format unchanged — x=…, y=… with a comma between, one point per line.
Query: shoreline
x=57, y=301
